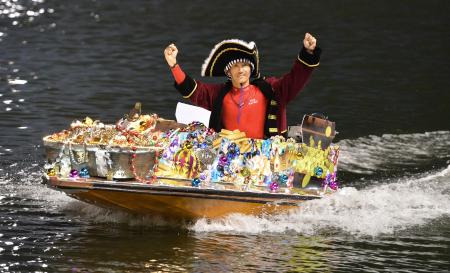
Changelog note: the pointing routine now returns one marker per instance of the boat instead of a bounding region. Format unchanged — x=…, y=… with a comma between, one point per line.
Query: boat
x=151, y=166
x=176, y=202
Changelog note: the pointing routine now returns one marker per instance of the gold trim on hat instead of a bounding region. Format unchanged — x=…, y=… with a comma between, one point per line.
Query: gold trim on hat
x=237, y=49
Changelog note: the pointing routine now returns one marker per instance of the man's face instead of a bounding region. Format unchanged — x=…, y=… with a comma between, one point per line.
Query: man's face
x=240, y=74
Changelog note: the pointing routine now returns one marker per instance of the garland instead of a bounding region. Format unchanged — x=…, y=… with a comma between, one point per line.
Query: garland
x=151, y=171
x=83, y=157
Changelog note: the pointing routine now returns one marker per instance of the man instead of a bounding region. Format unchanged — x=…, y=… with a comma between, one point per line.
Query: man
x=256, y=107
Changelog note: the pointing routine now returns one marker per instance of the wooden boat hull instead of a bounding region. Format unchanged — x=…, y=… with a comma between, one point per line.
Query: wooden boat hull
x=175, y=202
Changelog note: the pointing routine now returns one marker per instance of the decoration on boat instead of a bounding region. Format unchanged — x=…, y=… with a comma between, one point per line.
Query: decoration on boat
x=103, y=162
x=74, y=174
x=148, y=149
x=84, y=173
x=51, y=172
x=196, y=182
x=186, y=162
x=149, y=176
x=274, y=186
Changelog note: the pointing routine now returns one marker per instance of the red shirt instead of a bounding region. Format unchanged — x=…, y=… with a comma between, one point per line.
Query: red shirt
x=246, y=112
x=248, y=118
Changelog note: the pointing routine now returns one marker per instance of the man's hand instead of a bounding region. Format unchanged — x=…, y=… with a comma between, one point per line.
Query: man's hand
x=170, y=53
x=309, y=43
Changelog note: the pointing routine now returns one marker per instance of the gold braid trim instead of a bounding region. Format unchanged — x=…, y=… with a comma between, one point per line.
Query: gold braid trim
x=192, y=92
x=307, y=64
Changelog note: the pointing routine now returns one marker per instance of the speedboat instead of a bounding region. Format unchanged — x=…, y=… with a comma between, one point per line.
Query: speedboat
x=177, y=202
x=147, y=165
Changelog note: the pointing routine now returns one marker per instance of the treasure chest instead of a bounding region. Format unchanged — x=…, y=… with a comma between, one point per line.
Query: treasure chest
x=110, y=162
x=317, y=131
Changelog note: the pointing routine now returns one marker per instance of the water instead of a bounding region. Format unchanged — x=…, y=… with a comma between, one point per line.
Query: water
x=383, y=78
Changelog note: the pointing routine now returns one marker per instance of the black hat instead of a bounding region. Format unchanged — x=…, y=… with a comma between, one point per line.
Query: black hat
x=228, y=52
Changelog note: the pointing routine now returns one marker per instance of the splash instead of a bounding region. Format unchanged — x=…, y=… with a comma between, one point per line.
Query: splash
x=384, y=209
x=99, y=215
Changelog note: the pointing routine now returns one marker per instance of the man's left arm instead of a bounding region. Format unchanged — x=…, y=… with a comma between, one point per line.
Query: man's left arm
x=288, y=86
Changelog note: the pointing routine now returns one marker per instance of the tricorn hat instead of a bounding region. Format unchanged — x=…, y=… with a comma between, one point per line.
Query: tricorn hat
x=228, y=52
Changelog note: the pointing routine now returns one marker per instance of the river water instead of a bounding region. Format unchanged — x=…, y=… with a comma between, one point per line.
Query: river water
x=384, y=79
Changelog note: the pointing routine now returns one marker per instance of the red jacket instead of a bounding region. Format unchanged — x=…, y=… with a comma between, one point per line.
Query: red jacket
x=284, y=89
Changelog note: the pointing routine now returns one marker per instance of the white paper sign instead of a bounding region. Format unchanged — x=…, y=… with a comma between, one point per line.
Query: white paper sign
x=186, y=113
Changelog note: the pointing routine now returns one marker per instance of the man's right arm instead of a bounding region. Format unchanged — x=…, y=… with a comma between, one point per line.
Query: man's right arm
x=199, y=93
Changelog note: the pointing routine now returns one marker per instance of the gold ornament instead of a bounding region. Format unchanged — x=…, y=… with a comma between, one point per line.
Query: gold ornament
x=51, y=172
